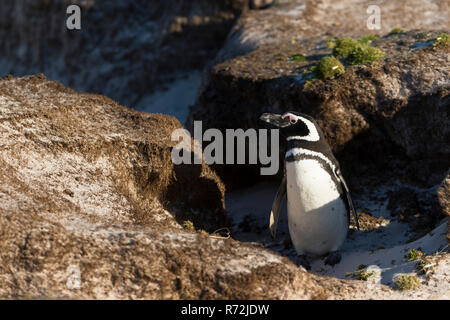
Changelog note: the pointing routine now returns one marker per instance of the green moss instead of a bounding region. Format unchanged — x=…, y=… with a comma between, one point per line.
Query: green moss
x=368, y=39
x=188, y=225
x=414, y=254
x=297, y=58
x=363, y=54
x=309, y=71
x=442, y=39
x=343, y=46
x=308, y=83
x=407, y=282
x=362, y=273
x=356, y=51
x=329, y=68
x=396, y=31
x=365, y=274
x=331, y=43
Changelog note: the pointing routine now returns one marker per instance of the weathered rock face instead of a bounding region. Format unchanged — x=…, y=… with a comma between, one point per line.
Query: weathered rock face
x=49, y=131
x=91, y=204
x=84, y=208
x=303, y=20
x=89, y=201
x=125, y=49
x=390, y=116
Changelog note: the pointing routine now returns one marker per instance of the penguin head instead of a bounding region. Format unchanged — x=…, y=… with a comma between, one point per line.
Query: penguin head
x=294, y=125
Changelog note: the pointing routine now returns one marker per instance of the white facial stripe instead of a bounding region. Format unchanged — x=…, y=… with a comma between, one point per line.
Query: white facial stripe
x=313, y=134
x=300, y=151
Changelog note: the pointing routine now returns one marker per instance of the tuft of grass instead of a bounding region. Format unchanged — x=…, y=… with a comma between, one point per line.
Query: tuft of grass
x=363, y=54
x=442, y=39
x=407, y=282
x=188, y=225
x=396, y=31
x=297, y=58
x=426, y=265
x=414, y=254
x=365, y=274
x=329, y=68
x=362, y=273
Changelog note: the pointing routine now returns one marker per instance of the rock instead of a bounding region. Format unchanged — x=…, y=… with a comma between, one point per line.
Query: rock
x=404, y=203
x=305, y=21
x=369, y=222
x=88, y=196
x=444, y=200
x=79, y=150
x=125, y=49
x=373, y=116
x=444, y=194
x=90, y=207
x=260, y=4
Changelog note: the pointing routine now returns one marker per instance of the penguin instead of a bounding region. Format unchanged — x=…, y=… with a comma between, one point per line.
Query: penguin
x=318, y=198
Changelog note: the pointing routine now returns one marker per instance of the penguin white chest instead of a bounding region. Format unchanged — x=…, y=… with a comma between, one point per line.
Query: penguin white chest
x=317, y=216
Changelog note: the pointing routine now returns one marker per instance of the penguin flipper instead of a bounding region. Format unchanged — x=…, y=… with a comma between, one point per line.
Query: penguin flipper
x=276, y=207
x=349, y=198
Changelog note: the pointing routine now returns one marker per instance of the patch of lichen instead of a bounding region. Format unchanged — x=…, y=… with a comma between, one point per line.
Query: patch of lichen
x=329, y=68
x=442, y=39
x=407, y=282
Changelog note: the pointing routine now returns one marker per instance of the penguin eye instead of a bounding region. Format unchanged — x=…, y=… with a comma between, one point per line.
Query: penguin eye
x=292, y=118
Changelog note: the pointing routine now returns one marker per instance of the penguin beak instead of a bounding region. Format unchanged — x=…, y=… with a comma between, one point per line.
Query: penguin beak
x=275, y=120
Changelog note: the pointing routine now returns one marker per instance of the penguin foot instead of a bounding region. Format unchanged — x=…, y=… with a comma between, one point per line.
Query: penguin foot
x=302, y=260
x=333, y=258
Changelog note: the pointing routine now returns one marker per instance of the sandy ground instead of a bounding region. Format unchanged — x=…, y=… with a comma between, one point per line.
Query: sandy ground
x=382, y=248
x=176, y=99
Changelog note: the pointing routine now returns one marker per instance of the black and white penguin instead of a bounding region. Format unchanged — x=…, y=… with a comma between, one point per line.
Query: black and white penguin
x=318, y=199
